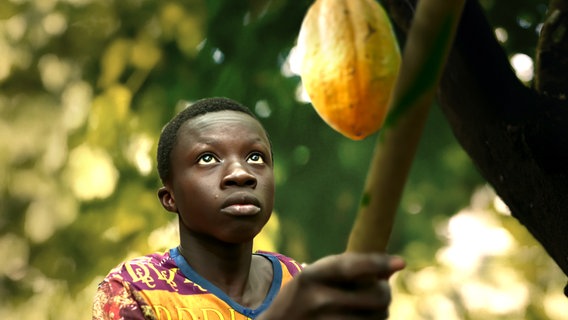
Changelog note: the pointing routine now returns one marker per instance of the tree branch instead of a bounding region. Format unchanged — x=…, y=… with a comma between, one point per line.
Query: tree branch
x=517, y=138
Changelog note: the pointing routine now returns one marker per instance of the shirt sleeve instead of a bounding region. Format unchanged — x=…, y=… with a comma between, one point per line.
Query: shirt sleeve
x=116, y=300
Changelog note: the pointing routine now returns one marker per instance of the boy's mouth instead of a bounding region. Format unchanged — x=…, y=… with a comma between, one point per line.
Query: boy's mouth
x=241, y=210
x=241, y=204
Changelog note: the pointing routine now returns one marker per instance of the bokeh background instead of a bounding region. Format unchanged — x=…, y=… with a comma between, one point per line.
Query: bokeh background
x=86, y=85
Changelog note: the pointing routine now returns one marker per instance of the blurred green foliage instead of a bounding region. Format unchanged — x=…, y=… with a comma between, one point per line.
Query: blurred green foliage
x=85, y=87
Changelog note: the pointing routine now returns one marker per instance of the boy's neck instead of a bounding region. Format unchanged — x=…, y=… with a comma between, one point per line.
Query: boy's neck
x=230, y=267
x=228, y=260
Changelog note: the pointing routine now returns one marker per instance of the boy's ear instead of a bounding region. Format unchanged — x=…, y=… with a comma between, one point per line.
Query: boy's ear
x=167, y=199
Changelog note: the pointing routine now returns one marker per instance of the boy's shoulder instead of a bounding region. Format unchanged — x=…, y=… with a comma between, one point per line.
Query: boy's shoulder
x=153, y=260
x=151, y=271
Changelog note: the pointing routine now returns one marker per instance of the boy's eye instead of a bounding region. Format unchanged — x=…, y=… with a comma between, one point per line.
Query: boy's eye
x=255, y=158
x=206, y=159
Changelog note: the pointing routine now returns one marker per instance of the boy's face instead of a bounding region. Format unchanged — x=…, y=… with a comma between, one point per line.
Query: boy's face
x=222, y=183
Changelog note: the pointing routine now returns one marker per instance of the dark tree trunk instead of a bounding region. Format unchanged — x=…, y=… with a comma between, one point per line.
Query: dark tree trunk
x=517, y=136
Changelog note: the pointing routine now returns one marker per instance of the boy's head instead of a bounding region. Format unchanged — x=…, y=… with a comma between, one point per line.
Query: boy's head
x=215, y=162
x=168, y=137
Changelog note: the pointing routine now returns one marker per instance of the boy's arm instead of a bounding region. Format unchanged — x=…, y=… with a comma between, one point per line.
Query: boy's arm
x=352, y=284
x=115, y=300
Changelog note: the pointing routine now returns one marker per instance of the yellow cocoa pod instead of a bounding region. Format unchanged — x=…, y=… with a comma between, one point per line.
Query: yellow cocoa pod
x=349, y=63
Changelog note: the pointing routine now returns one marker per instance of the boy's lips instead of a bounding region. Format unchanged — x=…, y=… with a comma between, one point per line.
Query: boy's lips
x=241, y=210
x=241, y=205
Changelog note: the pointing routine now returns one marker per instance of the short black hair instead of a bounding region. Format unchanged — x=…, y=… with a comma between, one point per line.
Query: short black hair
x=169, y=134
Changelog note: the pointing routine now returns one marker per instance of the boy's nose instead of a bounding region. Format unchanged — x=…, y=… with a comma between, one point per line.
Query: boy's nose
x=238, y=175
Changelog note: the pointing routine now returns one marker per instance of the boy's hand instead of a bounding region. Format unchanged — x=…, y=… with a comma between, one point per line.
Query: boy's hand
x=344, y=286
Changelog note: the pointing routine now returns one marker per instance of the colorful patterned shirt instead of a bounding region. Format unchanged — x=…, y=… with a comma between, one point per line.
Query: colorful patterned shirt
x=164, y=286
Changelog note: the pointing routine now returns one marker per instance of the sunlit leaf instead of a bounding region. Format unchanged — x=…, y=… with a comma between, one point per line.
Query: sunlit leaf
x=91, y=173
x=114, y=61
x=108, y=115
x=170, y=16
x=145, y=54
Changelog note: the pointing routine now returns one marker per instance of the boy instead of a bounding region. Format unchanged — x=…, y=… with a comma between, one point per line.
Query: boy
x=215, y=163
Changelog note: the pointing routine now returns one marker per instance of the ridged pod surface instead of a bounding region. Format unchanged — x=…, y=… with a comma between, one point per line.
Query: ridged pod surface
x=349, y=63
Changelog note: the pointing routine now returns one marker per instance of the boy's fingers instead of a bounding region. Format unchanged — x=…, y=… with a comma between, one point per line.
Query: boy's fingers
x=352, y=267
x=362, y=301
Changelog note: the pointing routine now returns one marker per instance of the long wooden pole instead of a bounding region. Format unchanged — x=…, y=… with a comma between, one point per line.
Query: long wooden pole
x=427, y=46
